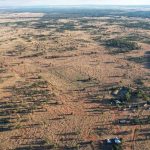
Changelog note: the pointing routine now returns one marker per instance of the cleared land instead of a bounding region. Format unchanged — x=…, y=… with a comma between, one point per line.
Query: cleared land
x=61, y=72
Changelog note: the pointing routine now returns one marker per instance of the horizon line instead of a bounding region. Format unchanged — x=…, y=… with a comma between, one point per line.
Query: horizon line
x=81, y=5
x=84, y=5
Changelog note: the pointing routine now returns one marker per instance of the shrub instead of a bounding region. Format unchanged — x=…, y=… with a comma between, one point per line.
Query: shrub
x=117, y=147
x=128, y=96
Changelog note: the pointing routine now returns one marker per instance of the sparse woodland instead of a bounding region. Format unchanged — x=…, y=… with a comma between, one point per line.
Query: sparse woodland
x=72, y=78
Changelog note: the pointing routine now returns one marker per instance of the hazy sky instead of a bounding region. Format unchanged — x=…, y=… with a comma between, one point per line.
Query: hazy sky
x=72, y=2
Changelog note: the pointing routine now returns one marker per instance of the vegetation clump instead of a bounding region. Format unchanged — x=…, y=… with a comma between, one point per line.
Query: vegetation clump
x=122, y=45
x=140, y=25
x=135, y=121
x=66, y=26
x=117, y=147
x=125, y=95
x=141, y=59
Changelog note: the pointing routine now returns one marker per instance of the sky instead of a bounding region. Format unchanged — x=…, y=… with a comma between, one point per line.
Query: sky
x=71, y=2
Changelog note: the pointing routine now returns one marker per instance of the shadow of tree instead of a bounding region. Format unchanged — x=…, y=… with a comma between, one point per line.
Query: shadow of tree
x=145, y=60
x=39, y=144
x=26, y=97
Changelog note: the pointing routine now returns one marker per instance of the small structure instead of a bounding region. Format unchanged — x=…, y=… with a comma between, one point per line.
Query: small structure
x=123, y=121
x=115, y=140
x=113, y=143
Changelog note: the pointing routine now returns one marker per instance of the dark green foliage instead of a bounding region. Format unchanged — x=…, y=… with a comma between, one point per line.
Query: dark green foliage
x=117, y=147
x=122, y=45
x=137, y=37
x=2, y=70
x=66, y=26
x=146, y=97
x=140, y=93
x=141, y=59
x=88, y=27
x=16, y=24
x=140, y=25
x=142, y=14
x=138, y=121
x=128, y=96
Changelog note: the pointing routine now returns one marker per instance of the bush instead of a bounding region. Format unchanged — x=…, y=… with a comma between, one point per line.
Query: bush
x=117, y=147
x=128, y=96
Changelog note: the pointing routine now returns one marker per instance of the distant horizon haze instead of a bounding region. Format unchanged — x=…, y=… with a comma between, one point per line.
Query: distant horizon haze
x=5, y=3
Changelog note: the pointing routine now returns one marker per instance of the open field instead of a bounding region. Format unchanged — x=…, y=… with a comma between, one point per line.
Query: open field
x=61, y=72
